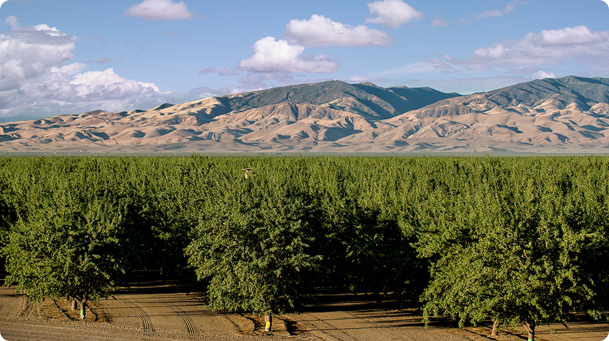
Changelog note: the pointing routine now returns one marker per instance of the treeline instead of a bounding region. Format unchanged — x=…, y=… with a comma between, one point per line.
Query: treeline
x=513, y=240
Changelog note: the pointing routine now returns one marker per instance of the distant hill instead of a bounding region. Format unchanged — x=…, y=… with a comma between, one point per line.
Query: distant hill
x=587, y=91
x=366, y=99
x=566, y=115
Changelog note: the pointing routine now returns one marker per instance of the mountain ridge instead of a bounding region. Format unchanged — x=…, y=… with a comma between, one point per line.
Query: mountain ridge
x=566, y=115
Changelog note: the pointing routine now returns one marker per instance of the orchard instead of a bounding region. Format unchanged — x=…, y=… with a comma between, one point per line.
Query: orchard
x=502, y=240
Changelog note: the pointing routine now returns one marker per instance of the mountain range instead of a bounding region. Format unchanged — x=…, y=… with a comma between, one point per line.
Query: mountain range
x=569, y=115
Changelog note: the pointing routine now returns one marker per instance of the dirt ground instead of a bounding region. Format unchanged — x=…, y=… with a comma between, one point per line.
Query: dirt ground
x=158, y=312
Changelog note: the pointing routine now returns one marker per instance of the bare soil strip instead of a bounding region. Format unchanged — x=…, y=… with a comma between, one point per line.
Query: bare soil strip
x=169, y=315
x=146, y=324
x=190, y=326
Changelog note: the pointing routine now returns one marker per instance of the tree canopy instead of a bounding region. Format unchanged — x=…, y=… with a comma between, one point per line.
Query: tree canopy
x=515, y=240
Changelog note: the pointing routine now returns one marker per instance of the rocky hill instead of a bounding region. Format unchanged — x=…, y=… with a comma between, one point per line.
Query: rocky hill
x=568, y=115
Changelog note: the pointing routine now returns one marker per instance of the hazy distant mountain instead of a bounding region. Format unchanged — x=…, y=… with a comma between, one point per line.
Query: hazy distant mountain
x=567, y=115
x=586, y=92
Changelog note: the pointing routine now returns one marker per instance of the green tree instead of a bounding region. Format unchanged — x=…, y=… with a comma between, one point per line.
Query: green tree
x=511, y=254
x=252, y=245
x=7, y=217
x=67, y=241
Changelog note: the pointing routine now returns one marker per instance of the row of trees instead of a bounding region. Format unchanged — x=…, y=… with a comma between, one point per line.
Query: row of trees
x=513, y=240
x=524, y=243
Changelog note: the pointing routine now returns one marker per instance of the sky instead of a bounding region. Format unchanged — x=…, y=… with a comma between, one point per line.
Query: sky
x=74, y=56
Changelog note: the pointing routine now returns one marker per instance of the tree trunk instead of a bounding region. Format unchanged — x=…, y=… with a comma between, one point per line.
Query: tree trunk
x=495, y=326
x=530, y=327
x=82, y=308
x=268, y=319
x=74, y=304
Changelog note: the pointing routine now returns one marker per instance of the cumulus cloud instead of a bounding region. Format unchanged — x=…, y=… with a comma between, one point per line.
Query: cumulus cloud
x=36, y=77
x=321, y=31
x=160, y=10
x=272, y=56
x=525, y=58
x=530, y=54
x=27, y=53
x=392, y=13
x=104, y=85
x=548, y=47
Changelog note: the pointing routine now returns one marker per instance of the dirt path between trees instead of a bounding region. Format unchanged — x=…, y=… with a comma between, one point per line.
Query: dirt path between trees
x=158, y=313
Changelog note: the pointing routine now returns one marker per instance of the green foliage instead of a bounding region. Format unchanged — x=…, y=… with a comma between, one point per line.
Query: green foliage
x=510, y=245
x=252, y=245
x=67, y=240
x=513, y=239
x=358, y=227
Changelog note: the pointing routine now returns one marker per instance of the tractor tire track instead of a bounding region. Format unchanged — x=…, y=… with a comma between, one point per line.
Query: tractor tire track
x=190, y=326
x=26, y=308
x=146, y=323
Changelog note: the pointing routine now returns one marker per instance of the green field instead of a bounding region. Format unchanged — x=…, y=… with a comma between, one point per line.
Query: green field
x=513, y=239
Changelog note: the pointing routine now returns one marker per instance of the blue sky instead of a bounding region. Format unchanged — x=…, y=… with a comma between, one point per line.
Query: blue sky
x=68, y=56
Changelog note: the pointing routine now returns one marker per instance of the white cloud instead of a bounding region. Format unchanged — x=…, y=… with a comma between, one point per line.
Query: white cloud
x=160, y=10
x=27, y=53
x=107, y=84
x=222, y=72
x=542, y=74
x=364, y=79
x=528, y=55
x=103, y=60
x=429, y=66
x=254, y=81
x=321, y=31
x=509, y=8
x=271, y=56
x=392, y=13
x=549, y=47
x=226, y=72
x=439, y=22
x=204, y=92
x=489, y=14
x=207, y=70
x=37, y=79
x=12, y=21
x=522, y=59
